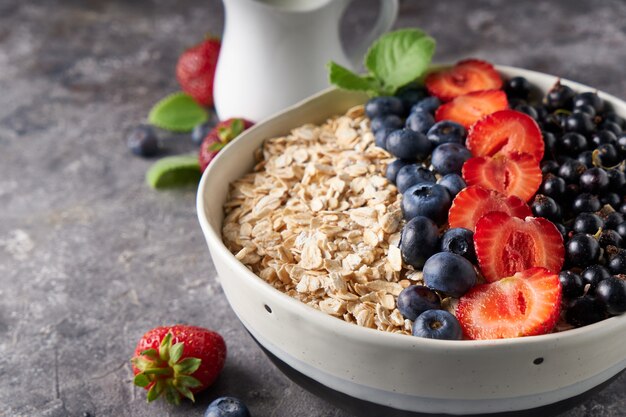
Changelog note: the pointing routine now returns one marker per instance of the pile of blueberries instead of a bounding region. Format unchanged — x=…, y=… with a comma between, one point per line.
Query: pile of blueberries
x=583, y=193
x=405, y=126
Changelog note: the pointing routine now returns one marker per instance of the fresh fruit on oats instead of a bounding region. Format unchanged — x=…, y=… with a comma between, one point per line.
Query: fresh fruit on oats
x=448, y=158
x=418, y=241
x=384, y=105
x=195, y=70
x=394, y=168
x=410, y=95
x=515, y=174
x=465, y=77
x=437, y=324
x=446, y=131
x=449, y=273
x=380, y=137
x=408, y=144
x=227, y=407
x=178, y=361
x=420, y=121
x=460, y=241
x=453, y=183
x=387, y=121
x=473, y=202
x=428, y=104
x=142, y=141
x=524, y=304
x=412, y=174
x=219, y=137
x=469, y=108
x=415, y=299
x=506, y=245
x=505, y=132
x=428, y=200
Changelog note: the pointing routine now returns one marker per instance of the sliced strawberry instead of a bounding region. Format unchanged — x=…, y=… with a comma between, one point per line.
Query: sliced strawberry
x=517, y=174
x=469, y=108
x=465, y=77
x=525, y=304
x=506, y=245
x=505, y=132
x=474, y=202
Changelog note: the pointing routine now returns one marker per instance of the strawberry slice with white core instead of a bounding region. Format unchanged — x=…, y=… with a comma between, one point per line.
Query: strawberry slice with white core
x=518, y=174
x=525, y=304
x=473, y=202
x=506, y=245
x=469, y=108
x=505, y=132
x=465, y=77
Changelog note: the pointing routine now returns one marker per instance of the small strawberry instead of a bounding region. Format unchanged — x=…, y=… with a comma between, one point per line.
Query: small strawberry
x=465, y=77
x=506, y=245
x=516, y=174
x=525, y=304
x=471, y=107
x=505, y=132
x=195, y=70
x=474, y=201
x=219, y=137
x=178, y=361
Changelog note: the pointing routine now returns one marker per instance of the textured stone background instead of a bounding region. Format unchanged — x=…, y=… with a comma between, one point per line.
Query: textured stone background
x=90, y=257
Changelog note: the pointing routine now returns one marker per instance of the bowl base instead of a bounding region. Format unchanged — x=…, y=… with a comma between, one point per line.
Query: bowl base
x=363, y=408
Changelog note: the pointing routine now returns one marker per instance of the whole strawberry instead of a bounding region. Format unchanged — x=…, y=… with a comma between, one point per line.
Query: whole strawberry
x=178, y=361
x=219, y=137
x=195, y=70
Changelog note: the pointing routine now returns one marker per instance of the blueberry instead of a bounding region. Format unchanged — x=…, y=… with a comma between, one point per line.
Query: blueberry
x=227, y=407
x=612, y=292
x=584, y=311
x=142, y=141
x=408, y=144
x=582, y=250
x=449, y=273
x=586, y=202
x=572, y=284
x=420, y=121
x=415, y=299
x=544, y=206
x=429, y=200
x=453, y=183
x=449, y=158
x=573, y=143
x=594, y=180
x=592, y=275
x=460, y=241
x=200, y=131
x=383, y=106
x=616, y=263
x=579, y=122
x=446, y=131
x=412, y=174
x=559, y=97
x=410, y=96
x=429, y=105
x=587, y=223
x=437, y=324
x=380, y=137
x=517, y=87
x=419, y=241
x=589, y=98
x=390, y=121
x=394, y=167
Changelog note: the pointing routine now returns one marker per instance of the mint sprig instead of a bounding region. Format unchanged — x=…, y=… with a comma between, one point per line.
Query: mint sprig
x=396, y=59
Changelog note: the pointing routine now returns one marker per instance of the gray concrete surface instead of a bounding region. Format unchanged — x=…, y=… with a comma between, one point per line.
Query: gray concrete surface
x=90, y=257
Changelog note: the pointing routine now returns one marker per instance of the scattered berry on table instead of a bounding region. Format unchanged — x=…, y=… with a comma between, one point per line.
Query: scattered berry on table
x=419, y=241
x=142, y=141
x=437, y=324
x=415, y=299
x=449, y=273
x=195, y=70
x=200, y=132
x=227, y=407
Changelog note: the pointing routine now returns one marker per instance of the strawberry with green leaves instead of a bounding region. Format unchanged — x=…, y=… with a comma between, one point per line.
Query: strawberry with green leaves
x=195, y=70
x=219, y=137
x=178, y=361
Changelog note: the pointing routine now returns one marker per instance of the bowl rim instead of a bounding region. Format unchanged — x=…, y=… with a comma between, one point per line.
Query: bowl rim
x=375, y=336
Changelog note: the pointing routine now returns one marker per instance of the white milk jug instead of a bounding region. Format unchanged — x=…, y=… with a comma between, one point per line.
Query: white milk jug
x=274, y=52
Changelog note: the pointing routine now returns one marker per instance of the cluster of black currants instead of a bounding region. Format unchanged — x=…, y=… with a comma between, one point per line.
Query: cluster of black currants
x=583, y=193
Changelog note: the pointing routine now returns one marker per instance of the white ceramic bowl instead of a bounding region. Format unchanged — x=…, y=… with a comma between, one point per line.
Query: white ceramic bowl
x=398, y=371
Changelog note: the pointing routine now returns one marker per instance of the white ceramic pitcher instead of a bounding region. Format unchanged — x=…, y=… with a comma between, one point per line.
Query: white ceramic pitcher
x=274, y=52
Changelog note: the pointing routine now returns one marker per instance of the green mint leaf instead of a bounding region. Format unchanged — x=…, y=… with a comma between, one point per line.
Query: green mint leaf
x=348, y=80
x=174, y=171
x=400, y=57
x=177, y=112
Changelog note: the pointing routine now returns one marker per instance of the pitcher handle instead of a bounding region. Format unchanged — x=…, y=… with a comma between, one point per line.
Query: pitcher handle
x=386, y=18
